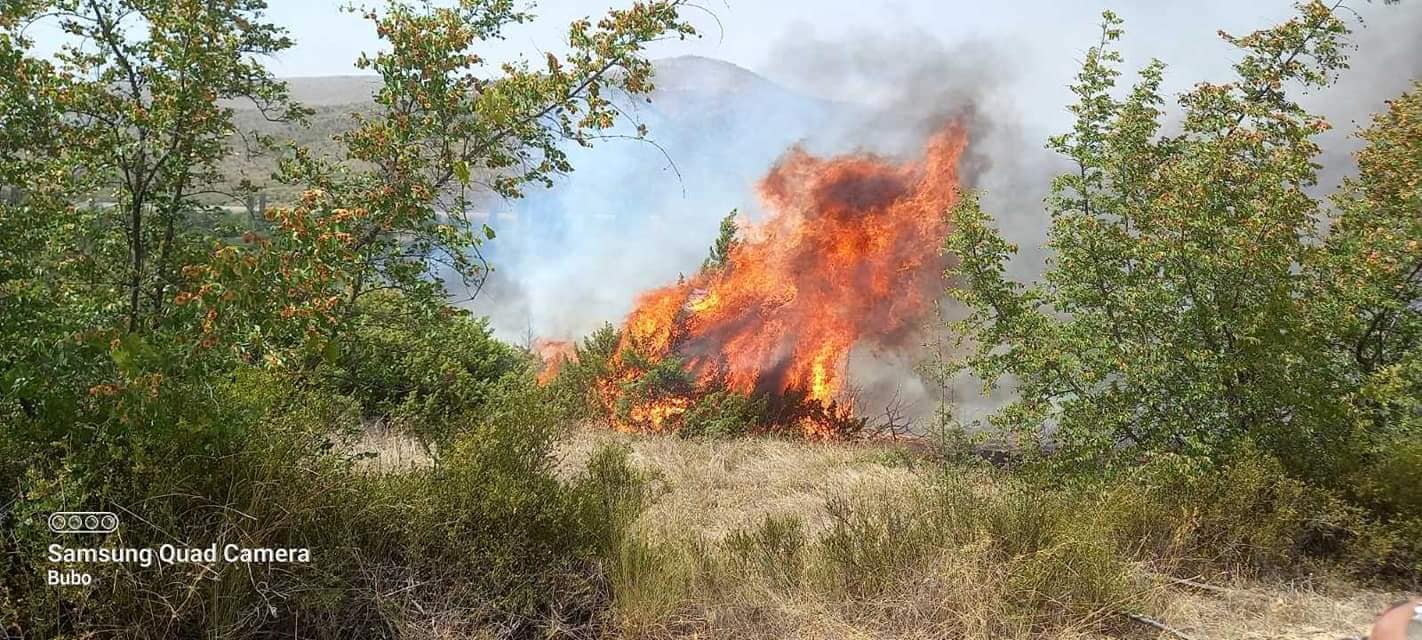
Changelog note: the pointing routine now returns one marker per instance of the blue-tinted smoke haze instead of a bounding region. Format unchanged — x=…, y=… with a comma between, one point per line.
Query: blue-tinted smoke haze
x=634, y=216
x=839, y=77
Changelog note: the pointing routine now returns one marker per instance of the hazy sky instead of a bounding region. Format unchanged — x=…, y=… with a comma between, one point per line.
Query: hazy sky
x=1038, y=44
x=748, y=33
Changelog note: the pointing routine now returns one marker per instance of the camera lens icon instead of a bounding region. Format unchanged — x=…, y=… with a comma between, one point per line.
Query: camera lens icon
x=83, y=522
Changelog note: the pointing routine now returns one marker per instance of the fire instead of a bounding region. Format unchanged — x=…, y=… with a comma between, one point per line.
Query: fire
x=848, y=255
x=553, y=353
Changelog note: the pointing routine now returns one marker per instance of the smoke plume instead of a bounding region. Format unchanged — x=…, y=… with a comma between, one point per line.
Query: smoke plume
x=636, y=216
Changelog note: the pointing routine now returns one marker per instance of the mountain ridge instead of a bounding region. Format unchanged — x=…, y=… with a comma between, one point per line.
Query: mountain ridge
x=672, y=74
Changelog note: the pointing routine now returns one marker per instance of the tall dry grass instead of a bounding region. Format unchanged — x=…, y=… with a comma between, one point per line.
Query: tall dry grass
x=758, y=538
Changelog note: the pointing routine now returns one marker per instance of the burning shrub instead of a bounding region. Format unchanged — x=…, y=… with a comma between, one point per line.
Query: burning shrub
x=650, y=395
x=573, y=371
x=632, y=392
x=723, y=413
x=847, y=256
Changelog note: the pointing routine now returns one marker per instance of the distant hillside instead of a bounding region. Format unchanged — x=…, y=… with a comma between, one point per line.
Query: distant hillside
x=328, y=91
x=697, y=74
x=695, y=96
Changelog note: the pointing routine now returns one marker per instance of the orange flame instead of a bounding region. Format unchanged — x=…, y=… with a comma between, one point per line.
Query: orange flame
x=553, y=353
x=849, y=254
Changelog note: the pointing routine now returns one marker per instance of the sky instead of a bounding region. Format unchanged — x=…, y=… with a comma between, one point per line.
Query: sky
x=1043, y=40
x=1038, y=44
x=749, y=32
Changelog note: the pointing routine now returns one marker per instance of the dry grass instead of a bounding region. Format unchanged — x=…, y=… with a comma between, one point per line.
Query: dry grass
x=1325, y=611
x=388, y=450
x=680, y=583
x=713, y=487
x=676, y=578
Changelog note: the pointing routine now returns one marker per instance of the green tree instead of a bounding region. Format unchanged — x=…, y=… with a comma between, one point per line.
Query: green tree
x=1366, y=283
x=725, y=241
x=1367, y=278
x=148, y=297
x=152, y=355
x=130, y=111
x=1175, y=314
x=444, y=136
x=144, y=84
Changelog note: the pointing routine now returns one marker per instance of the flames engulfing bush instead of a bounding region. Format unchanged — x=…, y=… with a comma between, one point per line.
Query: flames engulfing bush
x=602, y=382
x=846, y=257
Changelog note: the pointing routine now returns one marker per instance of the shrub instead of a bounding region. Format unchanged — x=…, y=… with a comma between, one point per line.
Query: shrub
x=422, y=369
x=775, y=548
x=986, y=552
x=953, y=557
x=722, y=413
x=1182, y=516
x=872, y=542
x=241, y=465
x=491, y=517
x=488, y=537
x=577, y=382
x=1391, y=487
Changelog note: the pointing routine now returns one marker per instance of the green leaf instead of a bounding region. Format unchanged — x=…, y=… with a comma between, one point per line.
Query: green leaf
x=461, y=171
x=331, y=351
x=488, y=232
x=130, y=353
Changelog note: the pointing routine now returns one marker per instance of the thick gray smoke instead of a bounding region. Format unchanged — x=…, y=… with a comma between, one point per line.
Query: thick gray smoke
x=635, y=215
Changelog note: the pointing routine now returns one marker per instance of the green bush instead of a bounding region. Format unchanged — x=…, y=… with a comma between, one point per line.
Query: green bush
x=721, y=414
x=1027, y=552
x=870, y=543
x=246, y=463
x=487, y=537
x=1391, y=488
x=776, y=548
x=491, y=529
x=1059, y=552
x=1392, y=484
x=612, y=494
x=421, y=369
x=1248, y=515
x=1010, y=558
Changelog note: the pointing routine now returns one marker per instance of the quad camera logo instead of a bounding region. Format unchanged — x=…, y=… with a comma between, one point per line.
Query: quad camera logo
x=83, y=522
